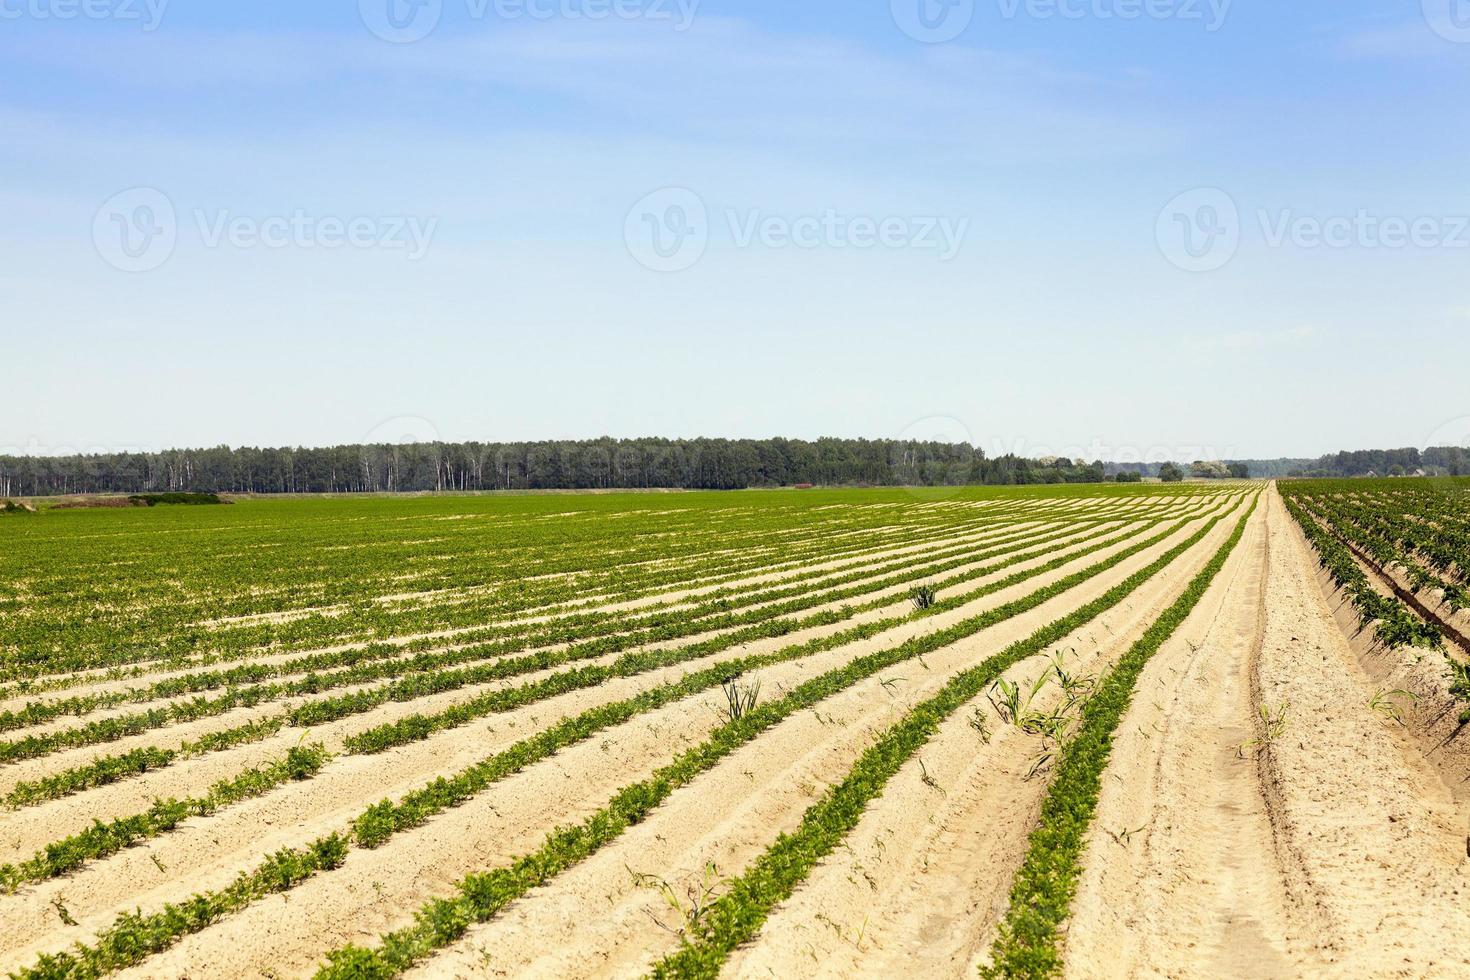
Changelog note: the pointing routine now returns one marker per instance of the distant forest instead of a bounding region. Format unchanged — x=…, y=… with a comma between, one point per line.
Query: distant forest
x=1443, y=461
x=713, y=464
x=710, y=464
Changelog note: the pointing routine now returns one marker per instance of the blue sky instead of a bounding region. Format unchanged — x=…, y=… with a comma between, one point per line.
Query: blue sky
x=1100, y=227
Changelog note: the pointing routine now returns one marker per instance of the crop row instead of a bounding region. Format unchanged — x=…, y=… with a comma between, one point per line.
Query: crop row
x=134, y=620
x=432, y=674
x=737, y=915
x=1029, y=941
x=1394, y=624
x=136, y=935
x=106, y=770
x=1431, y=558
x=102, y=839
x=525, y=635
x=369, y=827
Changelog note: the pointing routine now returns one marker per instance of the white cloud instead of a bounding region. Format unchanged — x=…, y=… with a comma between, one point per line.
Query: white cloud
x=723, y=80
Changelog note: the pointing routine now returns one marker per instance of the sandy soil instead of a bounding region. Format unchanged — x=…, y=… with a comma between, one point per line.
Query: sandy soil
x=212, y=850
x=1326, y=846
x=689, y=591
x=599, y=920
x=816, y=581
x=27, y=830
x=916, y=888
x=379, y=889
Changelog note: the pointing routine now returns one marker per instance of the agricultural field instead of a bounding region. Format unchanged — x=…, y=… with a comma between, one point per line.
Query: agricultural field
x=1088, y=731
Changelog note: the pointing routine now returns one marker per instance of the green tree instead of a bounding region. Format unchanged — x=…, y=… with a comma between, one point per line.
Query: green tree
x=1170, y=473
x=1208, y=470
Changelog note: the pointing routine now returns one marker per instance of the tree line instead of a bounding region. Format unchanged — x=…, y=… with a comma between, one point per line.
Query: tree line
x=597, y=464
x=630, y=464
x=1436, y=461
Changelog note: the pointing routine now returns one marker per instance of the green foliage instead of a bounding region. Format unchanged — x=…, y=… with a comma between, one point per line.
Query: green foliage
x=1209, y=470
x=740, y=699
x=103, y=839
x=600, y=464
x=1169, y=473
x=481, y=896
x=192, y=499
x=923, y=596
x=514, y=584
x=1460, y=688
x=1394, y=624
x=1030, y=936
x=737, y=916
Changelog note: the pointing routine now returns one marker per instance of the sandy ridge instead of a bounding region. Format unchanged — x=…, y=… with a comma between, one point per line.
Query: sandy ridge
x=1181, y=876
x=725, y=817
x=675, y=602
x=377, y=890
x=126, y=870
x=188, y=775
x=923, y=878
x=1330, y=847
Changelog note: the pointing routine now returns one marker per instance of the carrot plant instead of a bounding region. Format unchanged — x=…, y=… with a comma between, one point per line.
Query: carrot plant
x=1029, y=943
x=103, y=839
x=482, y=895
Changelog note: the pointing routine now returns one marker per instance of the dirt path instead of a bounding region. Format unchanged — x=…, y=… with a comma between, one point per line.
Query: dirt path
x=1183, y=876
x=1329, y=847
